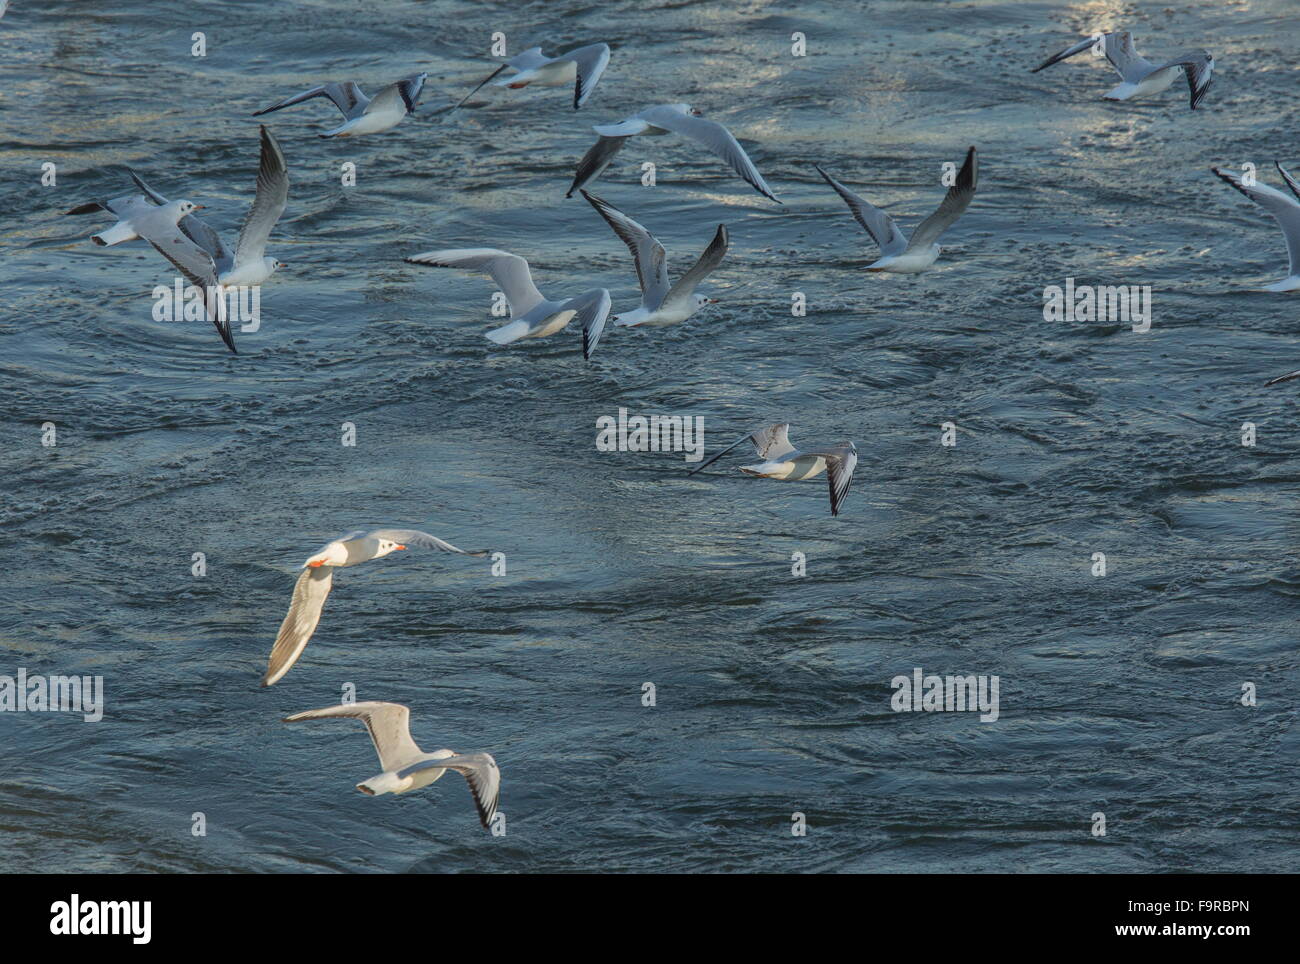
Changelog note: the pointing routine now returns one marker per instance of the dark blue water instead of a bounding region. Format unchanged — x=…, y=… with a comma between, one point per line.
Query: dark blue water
x=1118, y=694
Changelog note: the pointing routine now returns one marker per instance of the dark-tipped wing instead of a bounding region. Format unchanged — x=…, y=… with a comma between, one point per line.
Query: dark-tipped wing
x=1198, y=66
x=346, y=96
x=703, y=267
x=954, y=203
x=874, y=221
x=592, y=308
x=480, y=772
x=389, y=725
x=591, y=61
x=594, y=162
x=268, y=205
x=648, y=254
x=715, y=137
x=508, y=270
x=1285, y=210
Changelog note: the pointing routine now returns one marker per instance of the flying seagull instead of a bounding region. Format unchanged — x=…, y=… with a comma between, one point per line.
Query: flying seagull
x=1285, y=211
x=581, y=66
x=667, y=119
x=531, y=314
x=661, y=303
x=362, y=115
x=248, y=263
x=406, y=766
x=317, y=579
x=1141, y=76
x=783, y=461
x=897, y=253
x=161, y=226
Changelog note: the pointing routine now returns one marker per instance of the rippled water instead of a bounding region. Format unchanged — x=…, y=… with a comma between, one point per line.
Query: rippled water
x=1118, y=694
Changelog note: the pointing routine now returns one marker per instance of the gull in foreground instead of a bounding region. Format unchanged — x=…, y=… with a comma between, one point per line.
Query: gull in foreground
x=406, y=766
x=1141, y=76
x=531, y=314
x=317, y=579
x=362, y=115
x=581, y=66
x=667, y=119
x=192, y=246
x=1285, y=211
x=918, y=254
x=661, y=303
x=783, y=461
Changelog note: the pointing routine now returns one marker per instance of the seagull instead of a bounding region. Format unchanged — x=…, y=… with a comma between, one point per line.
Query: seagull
x=531, y=314
x=192, y=246
x=248, y=263
x=1140, y=76
x=164, y=227
x=362, y=115
x=661, y=303
x=897, y=252
x=1282, y=378
x=1285, y=211
x=581, y=66
x=667, y=119
x=317, y=579
x=406, y=766
x=783, y=461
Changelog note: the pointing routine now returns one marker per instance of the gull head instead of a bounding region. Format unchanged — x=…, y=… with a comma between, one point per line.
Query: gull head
x=182, y=208
x=701, y=301
x=271, y=265
x=687, y=109
x=386, y=546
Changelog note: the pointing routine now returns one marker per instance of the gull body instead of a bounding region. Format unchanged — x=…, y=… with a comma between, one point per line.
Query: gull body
x=1140, y=77
x=898, y=254
x=667, y=119
x=784, y=462
x=1285, y=210
x=317, y=579
x=405, y=766
x=532, y=315
x=362, y=114
x=661, y=303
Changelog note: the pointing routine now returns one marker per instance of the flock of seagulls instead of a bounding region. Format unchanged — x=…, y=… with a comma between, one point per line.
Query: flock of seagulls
x=197, y=251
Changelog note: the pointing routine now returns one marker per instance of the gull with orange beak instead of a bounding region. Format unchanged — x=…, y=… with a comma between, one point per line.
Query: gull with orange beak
x=661, y=303
x=317, y=579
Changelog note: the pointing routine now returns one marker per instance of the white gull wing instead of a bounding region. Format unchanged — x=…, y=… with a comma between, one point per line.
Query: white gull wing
x=954, y=203
x=591, y=309
x=1199, y=69
x=840, y=461
x=388, y=723
x=405, y=93
x=647, y=253
x=309, y=594
x=124, y=207
x=422, y=540
x=874, y=221
x=1285, y=210
x=772, y=441
x=508, y=270
x=591, y=62
x=346, y=96
x=702, y=268
x=529, y=59
x=712, y=135
x=480, y=772
x=268, y=204
x=1119, y=50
